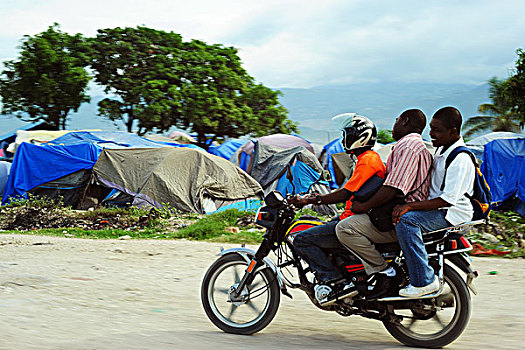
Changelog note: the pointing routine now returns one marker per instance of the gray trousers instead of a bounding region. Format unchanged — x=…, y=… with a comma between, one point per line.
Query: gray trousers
x=358, y=234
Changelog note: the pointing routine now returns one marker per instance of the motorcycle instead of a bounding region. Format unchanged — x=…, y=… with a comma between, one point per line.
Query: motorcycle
x=241, y=290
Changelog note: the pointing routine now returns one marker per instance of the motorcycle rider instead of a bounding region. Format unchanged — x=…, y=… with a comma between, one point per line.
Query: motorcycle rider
x=359, y=136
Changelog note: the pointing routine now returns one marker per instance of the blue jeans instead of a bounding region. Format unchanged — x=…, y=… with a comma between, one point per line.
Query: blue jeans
x=310, y=244
x=409, y=234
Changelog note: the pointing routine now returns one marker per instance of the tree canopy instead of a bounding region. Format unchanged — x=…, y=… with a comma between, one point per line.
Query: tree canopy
x=500, y=115
x=515, y=89
x=153, y=80
x=139, y=67
x=159, y=81
x=48, y=80
x=384, y=136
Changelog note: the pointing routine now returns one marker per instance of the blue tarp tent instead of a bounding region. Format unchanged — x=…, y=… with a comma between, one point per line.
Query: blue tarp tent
x=504, y=169
x=113, y=139
x=35, y=165
x=335, y=146
x=227, y=149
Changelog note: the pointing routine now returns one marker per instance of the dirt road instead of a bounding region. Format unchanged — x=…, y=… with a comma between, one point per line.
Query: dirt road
x=58, y=293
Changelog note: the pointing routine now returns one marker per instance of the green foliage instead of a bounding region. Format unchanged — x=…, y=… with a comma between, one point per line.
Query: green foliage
x=48, y=80
x=212, y=225
x=160, y=81
x=141, y=68
x=500, y=115
x=515, y=89
x=384, y=136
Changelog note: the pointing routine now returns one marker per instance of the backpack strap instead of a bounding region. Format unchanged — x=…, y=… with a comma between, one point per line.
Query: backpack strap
x=452, y=156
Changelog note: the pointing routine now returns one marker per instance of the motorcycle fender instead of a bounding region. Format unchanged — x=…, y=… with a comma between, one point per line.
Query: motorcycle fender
x=247, y=254
x=463, y=262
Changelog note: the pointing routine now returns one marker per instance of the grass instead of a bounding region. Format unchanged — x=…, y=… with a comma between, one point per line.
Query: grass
x=52, y=219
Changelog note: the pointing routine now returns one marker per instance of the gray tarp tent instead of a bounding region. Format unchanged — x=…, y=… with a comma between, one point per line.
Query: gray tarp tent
x=271, y=163
x=180, y=177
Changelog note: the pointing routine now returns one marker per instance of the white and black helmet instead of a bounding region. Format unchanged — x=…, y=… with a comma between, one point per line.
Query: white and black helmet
x=358, y=131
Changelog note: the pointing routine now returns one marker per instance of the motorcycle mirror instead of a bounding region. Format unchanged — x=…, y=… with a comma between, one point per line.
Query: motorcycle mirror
x=326, y=176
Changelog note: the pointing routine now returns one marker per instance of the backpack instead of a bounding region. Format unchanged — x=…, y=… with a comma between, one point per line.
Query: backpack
x=481, y=197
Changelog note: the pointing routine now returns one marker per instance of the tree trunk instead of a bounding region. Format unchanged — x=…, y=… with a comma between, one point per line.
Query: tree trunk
x=129, y=123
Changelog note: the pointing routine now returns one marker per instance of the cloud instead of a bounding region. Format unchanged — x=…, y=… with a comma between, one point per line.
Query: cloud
x=305, y=43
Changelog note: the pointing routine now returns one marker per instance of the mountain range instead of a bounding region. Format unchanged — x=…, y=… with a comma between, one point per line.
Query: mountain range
x=313, y=108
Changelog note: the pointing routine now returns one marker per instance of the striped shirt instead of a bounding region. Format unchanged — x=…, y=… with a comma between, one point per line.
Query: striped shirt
x=408, y=166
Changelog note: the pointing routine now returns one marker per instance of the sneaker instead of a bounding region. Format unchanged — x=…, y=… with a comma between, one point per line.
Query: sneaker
x=385, y=286
x=327, y=295
x=415, y=292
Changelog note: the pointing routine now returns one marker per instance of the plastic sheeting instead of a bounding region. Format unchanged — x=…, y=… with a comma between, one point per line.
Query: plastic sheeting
x=34, y=165
x=227, y=149
x=113, y=139
x=4, y=174
x=504, y=169
x=175, y=176
x=335, y=146
x=476, y=145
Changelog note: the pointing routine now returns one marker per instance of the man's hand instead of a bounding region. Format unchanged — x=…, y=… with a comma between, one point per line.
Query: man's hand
x=299, y=201
x=399, y=211
x=358, y=207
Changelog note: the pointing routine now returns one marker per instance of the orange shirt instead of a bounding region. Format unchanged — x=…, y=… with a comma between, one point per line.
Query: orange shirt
x=368, y=164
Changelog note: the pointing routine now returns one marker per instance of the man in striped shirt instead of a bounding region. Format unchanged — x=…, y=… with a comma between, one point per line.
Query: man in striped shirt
x=407, y=172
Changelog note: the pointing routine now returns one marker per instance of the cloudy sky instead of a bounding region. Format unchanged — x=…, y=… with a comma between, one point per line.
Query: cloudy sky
x=305, y=43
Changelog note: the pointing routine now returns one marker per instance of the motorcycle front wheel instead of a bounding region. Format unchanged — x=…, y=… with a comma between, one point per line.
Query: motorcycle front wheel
x=434, y=323
x=252, y=310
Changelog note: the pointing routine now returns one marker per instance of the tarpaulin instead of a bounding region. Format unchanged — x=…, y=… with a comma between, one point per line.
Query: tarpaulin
x=502, y=167
x=227, y=149
x=34, y=165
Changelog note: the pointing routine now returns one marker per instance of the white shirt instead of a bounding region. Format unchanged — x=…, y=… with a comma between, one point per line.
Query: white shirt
x=459, y=180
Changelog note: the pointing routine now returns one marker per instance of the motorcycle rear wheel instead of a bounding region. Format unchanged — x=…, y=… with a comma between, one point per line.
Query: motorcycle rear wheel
x=258, y=306
x=454, y=300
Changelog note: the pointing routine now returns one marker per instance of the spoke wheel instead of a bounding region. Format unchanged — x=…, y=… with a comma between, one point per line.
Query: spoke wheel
x=434, y=323
x=252, y=310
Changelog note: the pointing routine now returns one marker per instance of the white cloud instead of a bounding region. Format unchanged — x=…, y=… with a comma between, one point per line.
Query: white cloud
x=303, y=43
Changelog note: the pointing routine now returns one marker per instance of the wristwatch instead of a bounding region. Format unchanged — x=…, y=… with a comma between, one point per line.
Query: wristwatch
x=317, y=199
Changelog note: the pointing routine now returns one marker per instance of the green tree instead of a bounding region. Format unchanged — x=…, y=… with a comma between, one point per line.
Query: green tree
x=222, y=100
x=384, y=136
x=140, y=68
x=159, y=81
x=515, y=89
x=48, y=80
x=500, y=115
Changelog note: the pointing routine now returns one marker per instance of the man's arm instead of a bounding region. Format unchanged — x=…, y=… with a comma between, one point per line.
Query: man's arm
x=383, y=195
x=431, y=204
x=337, y=196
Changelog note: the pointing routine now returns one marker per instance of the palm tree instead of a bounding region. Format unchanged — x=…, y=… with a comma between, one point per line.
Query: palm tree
x=500, y=115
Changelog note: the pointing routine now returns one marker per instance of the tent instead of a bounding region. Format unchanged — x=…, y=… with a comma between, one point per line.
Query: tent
x=113, y=139
x=270, y=170
x=37, y=137
x=227, y=149
x=477, y=144
x=186, y=179
x=243, y=156
x=51, y=168
x=5, y=167
x=335, y=146
x=504, y=169
x=181, y=137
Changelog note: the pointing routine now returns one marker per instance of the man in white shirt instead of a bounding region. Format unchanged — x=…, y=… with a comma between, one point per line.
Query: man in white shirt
x=444, y=207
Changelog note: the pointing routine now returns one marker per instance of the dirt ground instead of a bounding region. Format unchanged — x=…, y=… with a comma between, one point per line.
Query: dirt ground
x=58, y=293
